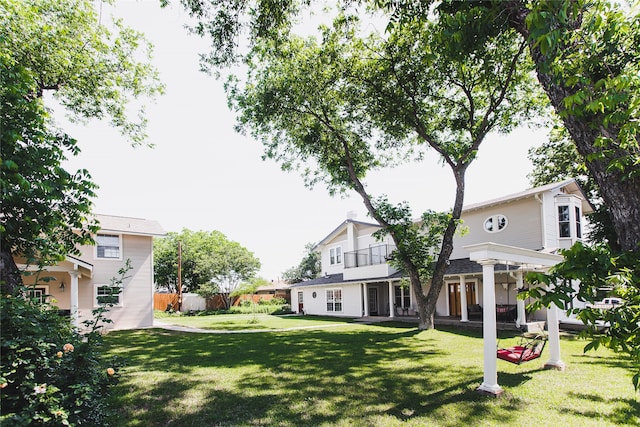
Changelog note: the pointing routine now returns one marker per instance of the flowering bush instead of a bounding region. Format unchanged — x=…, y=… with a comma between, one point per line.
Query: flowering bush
x=51, y=374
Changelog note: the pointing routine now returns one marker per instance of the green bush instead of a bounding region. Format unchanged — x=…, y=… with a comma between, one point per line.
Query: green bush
x=51, y=374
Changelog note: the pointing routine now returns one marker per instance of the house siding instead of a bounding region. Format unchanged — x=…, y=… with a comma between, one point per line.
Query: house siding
x=523, y=228
x=351, y=300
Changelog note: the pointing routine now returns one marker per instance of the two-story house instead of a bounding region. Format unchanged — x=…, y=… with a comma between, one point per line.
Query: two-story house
x=80, y=283
x=357, y=280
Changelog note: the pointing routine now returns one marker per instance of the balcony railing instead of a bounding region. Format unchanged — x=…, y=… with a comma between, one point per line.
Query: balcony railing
x=370, y=256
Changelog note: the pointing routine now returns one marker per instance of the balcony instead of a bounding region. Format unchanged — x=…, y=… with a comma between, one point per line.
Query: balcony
x=374, y=255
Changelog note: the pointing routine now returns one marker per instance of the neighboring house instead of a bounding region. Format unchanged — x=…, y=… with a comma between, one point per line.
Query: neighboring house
x=78, y=284
x=526, y=229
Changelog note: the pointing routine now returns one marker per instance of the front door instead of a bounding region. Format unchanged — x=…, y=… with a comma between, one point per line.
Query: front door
x=373, y=301
x=455, y=308
x=300, y=302
x=454, y=300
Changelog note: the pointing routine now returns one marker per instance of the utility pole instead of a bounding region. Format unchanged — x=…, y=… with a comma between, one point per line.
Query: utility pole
x=179, y=276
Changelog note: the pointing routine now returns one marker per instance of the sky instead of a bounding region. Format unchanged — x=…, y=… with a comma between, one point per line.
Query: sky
x=202, y=175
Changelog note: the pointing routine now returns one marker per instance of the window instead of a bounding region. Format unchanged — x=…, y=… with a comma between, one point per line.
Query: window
x=578, y=226
x=335, y=255
x=38, y=294
x=334, y=299
x=564, y=221
x=495, y=223
x=107, y=294
x=402, y=299
x=108, y=246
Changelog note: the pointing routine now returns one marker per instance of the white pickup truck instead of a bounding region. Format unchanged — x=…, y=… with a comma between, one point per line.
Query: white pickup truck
x=609, y=302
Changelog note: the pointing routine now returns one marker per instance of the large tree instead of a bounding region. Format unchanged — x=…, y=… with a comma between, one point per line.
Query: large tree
x=343, y=107
x=58, y=47
x=308, y=268
x=585, y=52
x=587, y=58
x=209, y=260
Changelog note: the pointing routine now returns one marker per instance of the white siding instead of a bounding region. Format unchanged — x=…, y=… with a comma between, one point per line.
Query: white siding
x=351, y=300
x=523, y=229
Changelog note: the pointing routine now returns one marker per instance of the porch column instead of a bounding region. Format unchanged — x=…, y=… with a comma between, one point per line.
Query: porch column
x=366, y=300
x=522, y=315
x=463, y=300
x=74, y=298
x=391, y=298
x=490, y=381
x=554, y=361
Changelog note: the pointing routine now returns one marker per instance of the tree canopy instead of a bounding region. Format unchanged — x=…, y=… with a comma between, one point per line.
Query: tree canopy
x=209, y=259
x=341, y=107
x=61, y=48
x=308, y=268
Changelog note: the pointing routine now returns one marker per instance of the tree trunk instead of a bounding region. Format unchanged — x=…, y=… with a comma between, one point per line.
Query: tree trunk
x=10, y=277
x=620, y=192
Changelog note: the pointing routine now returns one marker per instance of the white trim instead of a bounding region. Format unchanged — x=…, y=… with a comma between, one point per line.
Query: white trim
x=326, y=300
x=120, y=246
x=334, y=249
x=511, y=255
x=95, y=295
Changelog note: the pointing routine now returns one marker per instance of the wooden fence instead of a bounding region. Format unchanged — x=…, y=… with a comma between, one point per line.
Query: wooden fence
x=161, y=301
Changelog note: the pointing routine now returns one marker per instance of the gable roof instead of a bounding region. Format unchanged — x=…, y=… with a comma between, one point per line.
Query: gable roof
x=128, y=225
x=339, y=229
x=569, y=185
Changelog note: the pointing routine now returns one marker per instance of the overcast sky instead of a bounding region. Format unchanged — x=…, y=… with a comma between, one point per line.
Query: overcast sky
x=201, y=175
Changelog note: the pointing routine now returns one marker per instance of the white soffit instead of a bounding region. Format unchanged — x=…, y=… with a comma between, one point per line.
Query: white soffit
x=503, y=254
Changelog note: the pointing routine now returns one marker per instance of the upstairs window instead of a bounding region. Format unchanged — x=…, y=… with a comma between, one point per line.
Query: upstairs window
x=564, y=221
x=495, y=223
x=578, y=225
x=108, y=246
x=335, y=255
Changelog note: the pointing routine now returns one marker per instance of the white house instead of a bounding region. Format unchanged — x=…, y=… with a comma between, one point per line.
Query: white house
x=357, y=280
x=79, y=282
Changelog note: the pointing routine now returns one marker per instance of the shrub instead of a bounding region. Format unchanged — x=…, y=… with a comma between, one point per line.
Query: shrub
x=50, y=374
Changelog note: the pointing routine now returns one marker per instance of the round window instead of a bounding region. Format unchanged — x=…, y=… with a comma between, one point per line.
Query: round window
x=314, y=294
x=495, y=223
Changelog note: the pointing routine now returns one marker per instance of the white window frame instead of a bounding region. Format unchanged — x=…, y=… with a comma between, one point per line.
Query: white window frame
x=566, y=222
x=335, y=255
x=120, y=248
x=96, y=286
x=404, y=297
x=496, y=221
x=34, y=289
x=578, y=221
x=333, y=301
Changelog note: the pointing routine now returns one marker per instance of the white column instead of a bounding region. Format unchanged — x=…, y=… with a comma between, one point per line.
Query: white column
x=366, y=300
x=522, y=315
x=554, y=361
x=490, y=381
x=463, y=300
x=391, y=298
x=74, y=298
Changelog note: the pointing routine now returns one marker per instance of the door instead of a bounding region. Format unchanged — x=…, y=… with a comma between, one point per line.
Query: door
x=454, y=299
x=373, y=301
x=471, y=294
x=300, y=302
x=455, y=308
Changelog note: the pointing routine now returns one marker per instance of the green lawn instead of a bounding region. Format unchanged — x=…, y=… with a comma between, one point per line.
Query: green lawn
x=357, y=375
x=238, y=322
